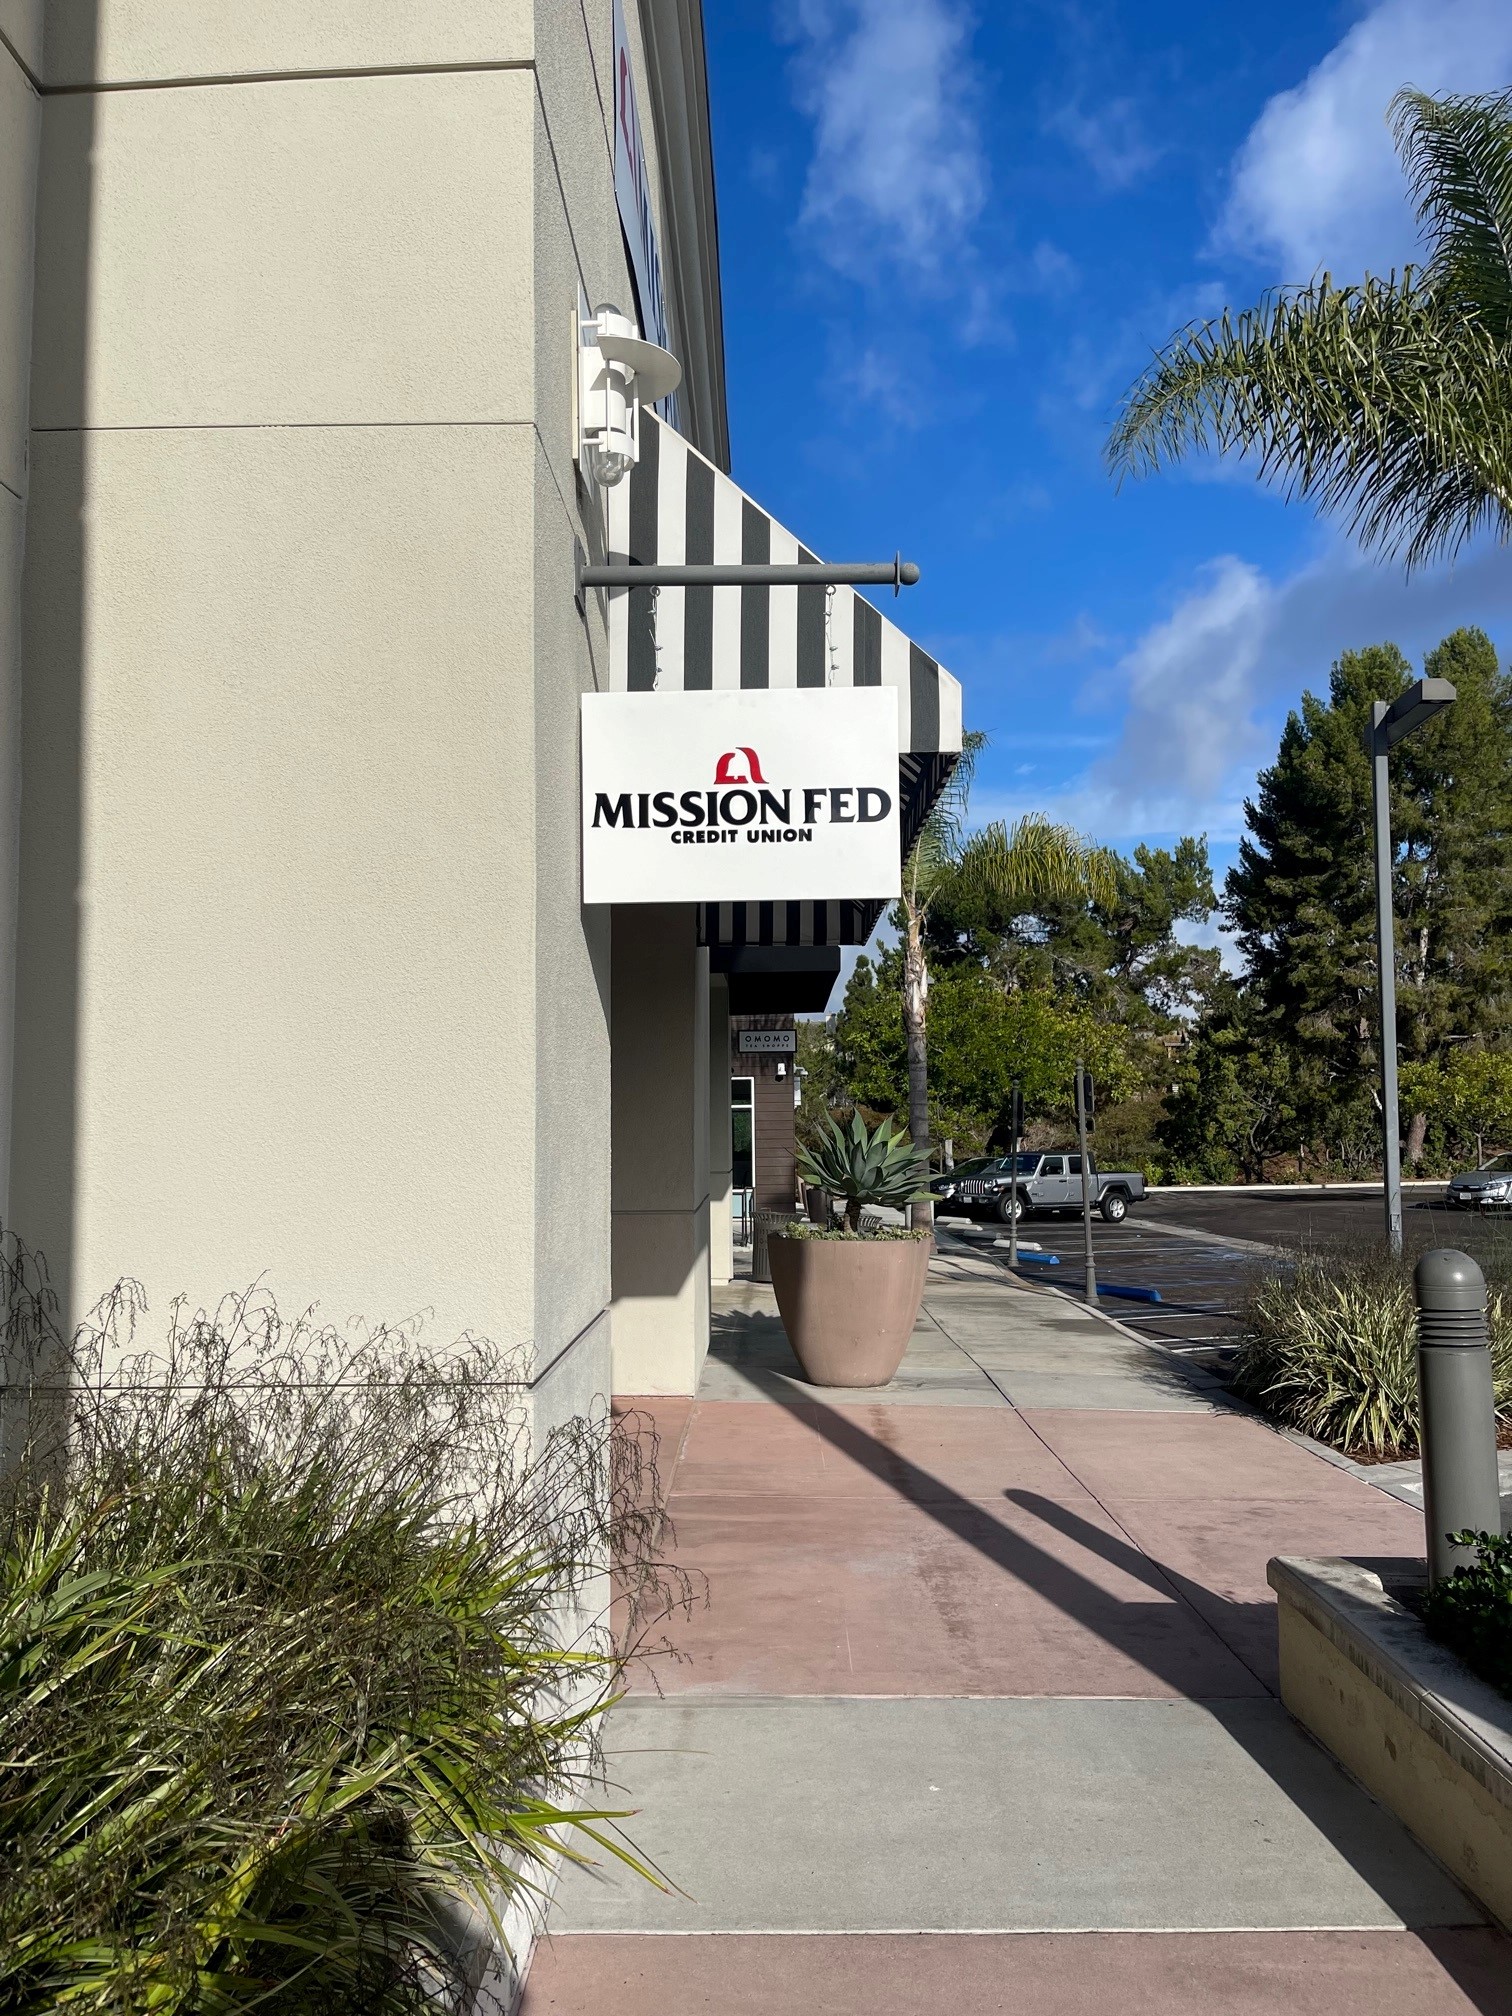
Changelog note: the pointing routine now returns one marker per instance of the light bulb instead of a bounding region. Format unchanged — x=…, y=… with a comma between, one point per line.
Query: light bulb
x=607, y=466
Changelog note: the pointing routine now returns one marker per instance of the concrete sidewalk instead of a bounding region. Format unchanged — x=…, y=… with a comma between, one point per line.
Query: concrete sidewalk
x=981, y=1710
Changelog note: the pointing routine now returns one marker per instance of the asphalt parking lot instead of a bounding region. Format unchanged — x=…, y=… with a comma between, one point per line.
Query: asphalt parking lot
x=1200, y=1249
x=1330, y=1220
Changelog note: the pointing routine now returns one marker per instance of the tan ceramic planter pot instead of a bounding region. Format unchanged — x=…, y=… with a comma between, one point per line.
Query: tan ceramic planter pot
x=849, y=1305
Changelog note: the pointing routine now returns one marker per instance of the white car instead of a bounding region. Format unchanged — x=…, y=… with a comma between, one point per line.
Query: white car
x=1488, y=1189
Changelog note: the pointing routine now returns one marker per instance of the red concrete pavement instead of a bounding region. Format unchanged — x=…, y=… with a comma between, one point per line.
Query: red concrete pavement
x=874, y=1549
x=1454, y=1973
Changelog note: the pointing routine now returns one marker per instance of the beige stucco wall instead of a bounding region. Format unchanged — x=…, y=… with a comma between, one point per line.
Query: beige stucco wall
x=660, y=1182
x=306, y=985
x=721, y=1151
x=1456, y=1817
x=20, y=124
x=316, y=252
x=300, y=962
x=155, y=41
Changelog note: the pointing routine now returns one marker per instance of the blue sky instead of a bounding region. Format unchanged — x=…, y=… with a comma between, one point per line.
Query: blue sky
x=951, y=235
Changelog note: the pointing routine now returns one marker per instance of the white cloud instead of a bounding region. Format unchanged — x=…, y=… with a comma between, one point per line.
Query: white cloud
x=1211, y=936
x=1055, y=272
x=879, y=379
x=1110, y=139
x=1204, y=691
x=1317, y=183
x=898, y=169
x=1189, y=687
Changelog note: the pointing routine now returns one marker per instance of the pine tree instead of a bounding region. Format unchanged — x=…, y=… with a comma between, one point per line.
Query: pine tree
x=1301, y=899
x=1116, y=953
x=1454, y=880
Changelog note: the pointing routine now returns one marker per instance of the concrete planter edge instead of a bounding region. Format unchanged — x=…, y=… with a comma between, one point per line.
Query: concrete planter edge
x=1406, y=1717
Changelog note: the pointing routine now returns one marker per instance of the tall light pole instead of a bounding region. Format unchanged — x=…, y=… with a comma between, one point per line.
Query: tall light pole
x=1390, y=724
x=1084, y=1105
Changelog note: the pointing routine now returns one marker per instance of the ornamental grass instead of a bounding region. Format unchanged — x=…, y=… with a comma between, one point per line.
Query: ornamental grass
x=301, y=1660
x=1331, y=1349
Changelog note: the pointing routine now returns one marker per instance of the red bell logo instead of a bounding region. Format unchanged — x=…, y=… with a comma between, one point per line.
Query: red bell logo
x=725, y=774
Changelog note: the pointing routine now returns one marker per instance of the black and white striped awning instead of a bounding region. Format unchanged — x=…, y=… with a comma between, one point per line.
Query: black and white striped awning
x=677, y=508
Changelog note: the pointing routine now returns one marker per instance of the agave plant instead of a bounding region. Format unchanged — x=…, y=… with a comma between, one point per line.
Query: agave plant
x=863, y=1165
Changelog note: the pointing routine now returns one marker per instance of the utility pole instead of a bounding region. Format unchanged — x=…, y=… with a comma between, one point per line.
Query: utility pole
x=1389, y=724
x=1015, y=1129
x=1084, y=1122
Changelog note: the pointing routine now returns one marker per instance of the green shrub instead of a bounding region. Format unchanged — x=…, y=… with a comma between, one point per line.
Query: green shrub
x=1331, y=1349
x=300, y=1661
x=1471, y=1612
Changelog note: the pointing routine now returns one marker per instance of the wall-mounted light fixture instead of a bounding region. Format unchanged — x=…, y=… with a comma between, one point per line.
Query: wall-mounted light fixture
x=618, y=372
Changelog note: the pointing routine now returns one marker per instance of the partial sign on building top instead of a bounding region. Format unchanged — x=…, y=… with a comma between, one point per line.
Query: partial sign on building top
x=745, y=796
x=632, y=193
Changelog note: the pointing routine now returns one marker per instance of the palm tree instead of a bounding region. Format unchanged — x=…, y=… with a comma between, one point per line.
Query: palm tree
x=1033, y=861
x=1389, y=402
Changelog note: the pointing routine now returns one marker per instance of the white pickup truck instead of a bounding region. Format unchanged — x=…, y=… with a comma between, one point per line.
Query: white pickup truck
x=1047, y=1183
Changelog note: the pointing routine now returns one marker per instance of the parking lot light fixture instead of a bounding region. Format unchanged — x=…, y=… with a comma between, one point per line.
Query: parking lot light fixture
x=1417, y=706
x=1391, y=723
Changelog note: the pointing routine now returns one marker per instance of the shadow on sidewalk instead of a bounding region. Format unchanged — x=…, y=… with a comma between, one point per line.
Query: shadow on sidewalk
x=1163, y=1635
x=752, y=1346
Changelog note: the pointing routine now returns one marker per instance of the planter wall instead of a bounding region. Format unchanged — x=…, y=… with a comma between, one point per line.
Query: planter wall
x=1403, y=1714
x=849, y=1305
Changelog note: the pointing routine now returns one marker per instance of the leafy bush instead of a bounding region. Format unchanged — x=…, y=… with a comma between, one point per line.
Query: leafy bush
x=300, y=1660
x=1332, y=1350
x=982, y=1036
x=864, y=1165
x=1467, y=1095
x=1472, y=1611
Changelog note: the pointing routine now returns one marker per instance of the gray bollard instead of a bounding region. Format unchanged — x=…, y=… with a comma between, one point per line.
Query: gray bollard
x=1457, y=1407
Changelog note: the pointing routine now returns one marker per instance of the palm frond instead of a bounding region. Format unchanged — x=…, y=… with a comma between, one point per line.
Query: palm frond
x=1036, y=860
x=1375, y=401
x=1457, y=153
x=940, y=836
x=1388, y=403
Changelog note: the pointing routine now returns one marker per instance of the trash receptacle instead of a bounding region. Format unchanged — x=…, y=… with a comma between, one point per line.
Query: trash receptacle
x=766, y=1222
x=819, y=1205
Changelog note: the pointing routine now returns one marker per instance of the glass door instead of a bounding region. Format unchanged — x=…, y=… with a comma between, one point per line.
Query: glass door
x=742, y=1154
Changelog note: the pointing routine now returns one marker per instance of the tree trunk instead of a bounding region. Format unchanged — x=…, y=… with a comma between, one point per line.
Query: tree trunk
x=915, y=1013
x=1417, y=1133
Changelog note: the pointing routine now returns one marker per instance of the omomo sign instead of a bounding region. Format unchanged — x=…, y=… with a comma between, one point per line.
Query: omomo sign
x=740, y=797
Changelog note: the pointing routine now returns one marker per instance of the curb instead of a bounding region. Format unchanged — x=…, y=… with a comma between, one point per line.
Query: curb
x=1287, y=1189
x=1223, y=1395
x=1235, y=1402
